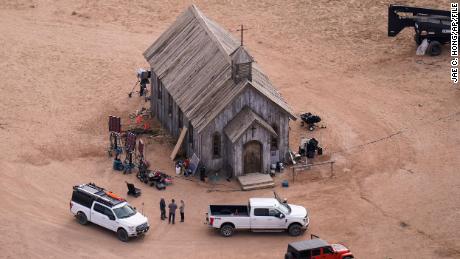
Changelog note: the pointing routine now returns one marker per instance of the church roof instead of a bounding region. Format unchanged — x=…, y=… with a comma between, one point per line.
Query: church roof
x=192, y=60
x=242, y=121
x=241, y=56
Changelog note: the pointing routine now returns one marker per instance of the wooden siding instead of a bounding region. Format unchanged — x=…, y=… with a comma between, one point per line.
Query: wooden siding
x=228, y=163
x=262, y=106
x=231, y=153
x=159, y=108
x=153, y=93
x=242, y=121
x=260, y=134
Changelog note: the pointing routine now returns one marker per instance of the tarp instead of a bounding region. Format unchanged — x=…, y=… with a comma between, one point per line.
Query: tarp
x=194, y=163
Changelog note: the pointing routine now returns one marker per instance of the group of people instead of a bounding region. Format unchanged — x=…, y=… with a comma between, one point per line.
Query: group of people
x=184, y=167
x=172, y=210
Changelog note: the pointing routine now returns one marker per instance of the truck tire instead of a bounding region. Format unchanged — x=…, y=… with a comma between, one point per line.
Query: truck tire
x=227, y=230
x=434, y=48
x=81, y=218
x=122, y=235
x=288, y=255
x=295, y=230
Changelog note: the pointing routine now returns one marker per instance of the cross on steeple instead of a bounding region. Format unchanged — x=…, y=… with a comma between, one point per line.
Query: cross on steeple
x=241, y=30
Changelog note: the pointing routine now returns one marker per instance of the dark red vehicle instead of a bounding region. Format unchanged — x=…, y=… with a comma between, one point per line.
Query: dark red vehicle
x=317, y=249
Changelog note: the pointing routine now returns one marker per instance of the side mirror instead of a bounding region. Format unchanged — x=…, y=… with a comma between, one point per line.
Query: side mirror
x=281, y=216
x=111, y=217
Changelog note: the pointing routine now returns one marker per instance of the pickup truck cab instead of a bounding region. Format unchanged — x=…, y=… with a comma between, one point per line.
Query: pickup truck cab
x=261, y=214
x=91, y=203
x=317, y=249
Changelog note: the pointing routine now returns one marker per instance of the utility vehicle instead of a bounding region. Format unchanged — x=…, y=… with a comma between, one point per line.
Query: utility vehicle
x=91, y=203
x=259, y=215
x=317, y=248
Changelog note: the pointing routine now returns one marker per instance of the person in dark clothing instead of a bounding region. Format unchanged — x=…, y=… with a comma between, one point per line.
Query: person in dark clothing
x=163, y=209
x=172, y=211
x=202, y=173
x=181, y=210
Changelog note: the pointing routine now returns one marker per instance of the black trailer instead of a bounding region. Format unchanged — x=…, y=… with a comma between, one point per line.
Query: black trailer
x=430, y=24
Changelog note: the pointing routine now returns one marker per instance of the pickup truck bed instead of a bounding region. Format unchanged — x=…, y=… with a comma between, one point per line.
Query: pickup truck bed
x=229, y=210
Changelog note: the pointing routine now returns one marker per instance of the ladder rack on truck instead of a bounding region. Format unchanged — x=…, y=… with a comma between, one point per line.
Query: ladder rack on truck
x=100, y=194
x=430, y=24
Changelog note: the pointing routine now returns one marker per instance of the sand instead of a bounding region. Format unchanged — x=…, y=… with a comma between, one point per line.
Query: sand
x=392, y=127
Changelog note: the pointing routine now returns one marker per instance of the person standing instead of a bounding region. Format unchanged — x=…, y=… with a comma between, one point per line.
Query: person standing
x=172, y=211
x=181, y=210
x=163, y=209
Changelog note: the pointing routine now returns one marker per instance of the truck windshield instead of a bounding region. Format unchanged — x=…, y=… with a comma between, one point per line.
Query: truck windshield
x=124, y=212
x=283, y=205
x=284, y=208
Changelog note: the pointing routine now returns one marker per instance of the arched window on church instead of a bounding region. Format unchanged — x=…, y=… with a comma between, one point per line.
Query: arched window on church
x=274, y=139
x=216, y=145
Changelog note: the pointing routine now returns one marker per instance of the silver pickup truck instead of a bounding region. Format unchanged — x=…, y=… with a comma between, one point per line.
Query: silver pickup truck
x=261, y=214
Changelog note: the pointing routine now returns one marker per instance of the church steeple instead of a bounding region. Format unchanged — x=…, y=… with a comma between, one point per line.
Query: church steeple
x=241, y=62
x=241, y=65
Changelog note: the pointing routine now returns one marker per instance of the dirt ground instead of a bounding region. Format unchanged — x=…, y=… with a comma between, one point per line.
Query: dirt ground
x=392, y=127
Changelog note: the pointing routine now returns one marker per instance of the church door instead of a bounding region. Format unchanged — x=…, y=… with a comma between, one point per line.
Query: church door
x=252, y=157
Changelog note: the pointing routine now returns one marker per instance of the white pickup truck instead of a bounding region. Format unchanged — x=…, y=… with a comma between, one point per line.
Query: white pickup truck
x=91, y=203
x=261, y=214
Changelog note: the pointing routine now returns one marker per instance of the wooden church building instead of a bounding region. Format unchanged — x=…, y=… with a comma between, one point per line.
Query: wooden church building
x=205, y=80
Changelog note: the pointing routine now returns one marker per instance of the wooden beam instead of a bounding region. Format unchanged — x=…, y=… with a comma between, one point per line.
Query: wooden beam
x=179, y=143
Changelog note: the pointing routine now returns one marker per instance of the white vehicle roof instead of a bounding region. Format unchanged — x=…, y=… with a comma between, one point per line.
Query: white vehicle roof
x=264, y=202
x=100, y=194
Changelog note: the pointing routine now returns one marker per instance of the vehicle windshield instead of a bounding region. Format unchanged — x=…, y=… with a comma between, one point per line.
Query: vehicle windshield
x=124, y=212
x=284, y=208
x=339, y=247
x=283, y=205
